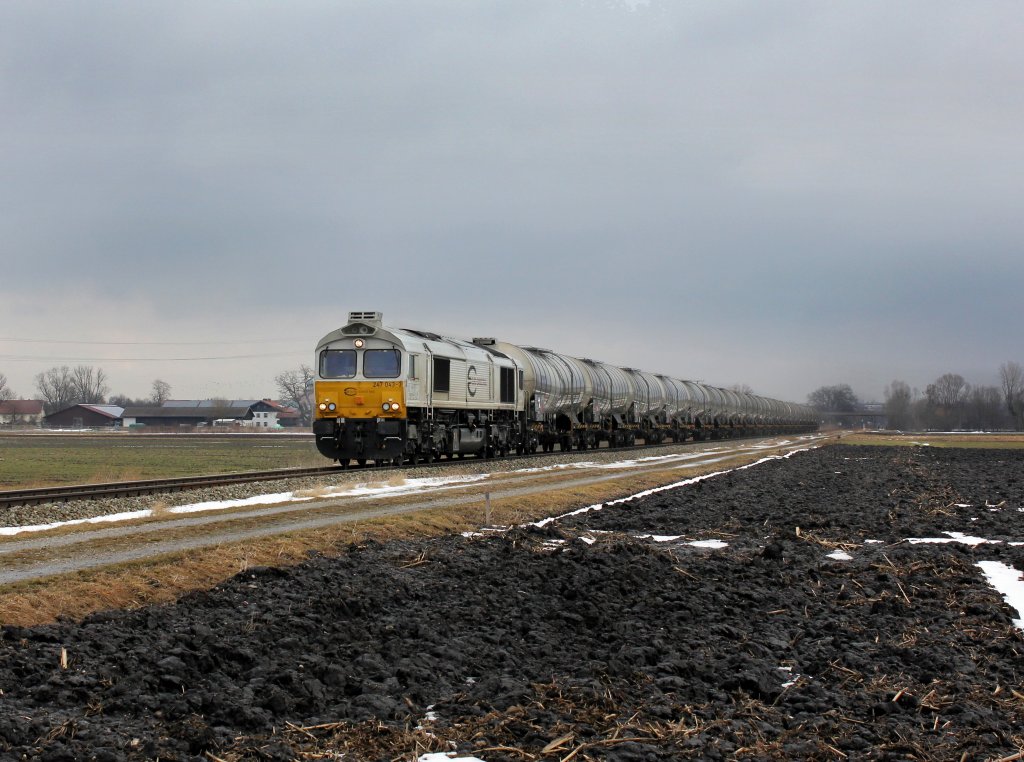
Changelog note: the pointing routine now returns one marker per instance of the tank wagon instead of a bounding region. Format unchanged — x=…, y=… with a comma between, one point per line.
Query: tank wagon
x=398, y=394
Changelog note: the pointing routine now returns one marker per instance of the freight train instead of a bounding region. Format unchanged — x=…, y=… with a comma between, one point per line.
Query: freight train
x=394, y=395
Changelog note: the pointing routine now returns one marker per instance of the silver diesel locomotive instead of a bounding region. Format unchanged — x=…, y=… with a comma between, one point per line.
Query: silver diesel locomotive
x=397, y=394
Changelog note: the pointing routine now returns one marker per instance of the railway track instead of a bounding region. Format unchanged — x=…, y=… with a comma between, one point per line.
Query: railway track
x=96, y=545
x=67, y=493
x=38, y=495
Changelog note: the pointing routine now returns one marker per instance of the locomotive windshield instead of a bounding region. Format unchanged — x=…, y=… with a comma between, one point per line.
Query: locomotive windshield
x=382, y=363
x=338, y=363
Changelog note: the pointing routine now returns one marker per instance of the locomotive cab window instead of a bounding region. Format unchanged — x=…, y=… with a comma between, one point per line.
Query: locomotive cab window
x=382, y=363
x=338, y=363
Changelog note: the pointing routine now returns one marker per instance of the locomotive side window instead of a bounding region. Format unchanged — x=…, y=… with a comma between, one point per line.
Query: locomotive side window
x=382, y=363
x=337, y=363
x=442, y=374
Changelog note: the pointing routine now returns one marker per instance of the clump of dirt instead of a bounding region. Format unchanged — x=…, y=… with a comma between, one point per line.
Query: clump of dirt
x=595, y=637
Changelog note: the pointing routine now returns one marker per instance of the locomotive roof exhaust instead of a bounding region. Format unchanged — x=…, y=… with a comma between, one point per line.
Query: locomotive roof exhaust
x=374, y=318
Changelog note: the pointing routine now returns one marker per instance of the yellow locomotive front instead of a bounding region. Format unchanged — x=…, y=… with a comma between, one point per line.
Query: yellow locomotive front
x=359, y=406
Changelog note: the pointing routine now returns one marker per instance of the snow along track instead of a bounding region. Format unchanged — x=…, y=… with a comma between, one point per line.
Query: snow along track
x=94, y=546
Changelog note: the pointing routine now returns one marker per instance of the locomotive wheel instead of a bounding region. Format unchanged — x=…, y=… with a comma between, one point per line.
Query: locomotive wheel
x=361, y=461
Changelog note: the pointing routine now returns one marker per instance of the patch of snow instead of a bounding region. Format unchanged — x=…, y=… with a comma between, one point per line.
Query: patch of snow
x=361, y=490
x=442, y=756
x=793, y=680
x=1007, y=581
x=675, y=485
x=839, y=555
x=9, y=531
x=953, y=537
x=713, y=544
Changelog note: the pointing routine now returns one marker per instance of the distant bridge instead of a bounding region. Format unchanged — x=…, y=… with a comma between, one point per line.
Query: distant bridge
x=858, y=419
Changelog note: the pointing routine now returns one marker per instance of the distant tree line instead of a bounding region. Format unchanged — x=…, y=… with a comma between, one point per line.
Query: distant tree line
x=63, y=386
x=950, y=403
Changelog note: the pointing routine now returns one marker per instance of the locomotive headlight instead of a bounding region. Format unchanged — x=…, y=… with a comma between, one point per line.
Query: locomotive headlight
x=395, y=406
x=332, y=406
x=386, y=406
x=359, y=343
x=322, y=406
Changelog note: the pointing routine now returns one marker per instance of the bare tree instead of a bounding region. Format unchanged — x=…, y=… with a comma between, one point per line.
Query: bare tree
x=946, y=400
x=949, y=390
x=90, y=384
x=741, y=388
x=5, y=391
x=62, y=387
x=1011, y=376
x=57, y=388
x=985, y=408
x=161, y=392
x=294, y=388
x=898, y=410
x=834, y=399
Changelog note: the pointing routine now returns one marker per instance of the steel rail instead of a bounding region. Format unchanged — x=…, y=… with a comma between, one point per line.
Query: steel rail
x=68, y=493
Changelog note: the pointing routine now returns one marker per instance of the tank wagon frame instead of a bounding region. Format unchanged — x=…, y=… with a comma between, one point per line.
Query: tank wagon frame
x=398, y=394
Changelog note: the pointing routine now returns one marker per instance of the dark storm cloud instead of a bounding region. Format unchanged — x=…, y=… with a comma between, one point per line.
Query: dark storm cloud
x=748, y=181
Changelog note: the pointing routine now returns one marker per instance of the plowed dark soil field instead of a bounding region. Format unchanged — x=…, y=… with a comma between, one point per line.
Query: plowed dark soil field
x=585, y=639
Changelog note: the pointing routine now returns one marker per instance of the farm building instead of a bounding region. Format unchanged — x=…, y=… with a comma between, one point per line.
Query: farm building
x=261, y=414
x=85, y=416
x=21, y=412
x=179, y=416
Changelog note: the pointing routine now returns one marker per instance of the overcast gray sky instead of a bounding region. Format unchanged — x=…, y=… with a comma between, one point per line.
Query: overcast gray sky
x=781, y=194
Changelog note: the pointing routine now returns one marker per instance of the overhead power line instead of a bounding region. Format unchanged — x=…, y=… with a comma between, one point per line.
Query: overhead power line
x=234, y=342
x=148, y=359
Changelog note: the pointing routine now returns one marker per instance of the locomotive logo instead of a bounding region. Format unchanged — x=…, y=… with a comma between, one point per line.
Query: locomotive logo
x=350, y=391
x=472, y=382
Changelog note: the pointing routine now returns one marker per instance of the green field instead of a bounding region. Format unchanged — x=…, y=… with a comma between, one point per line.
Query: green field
x=43, y=460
